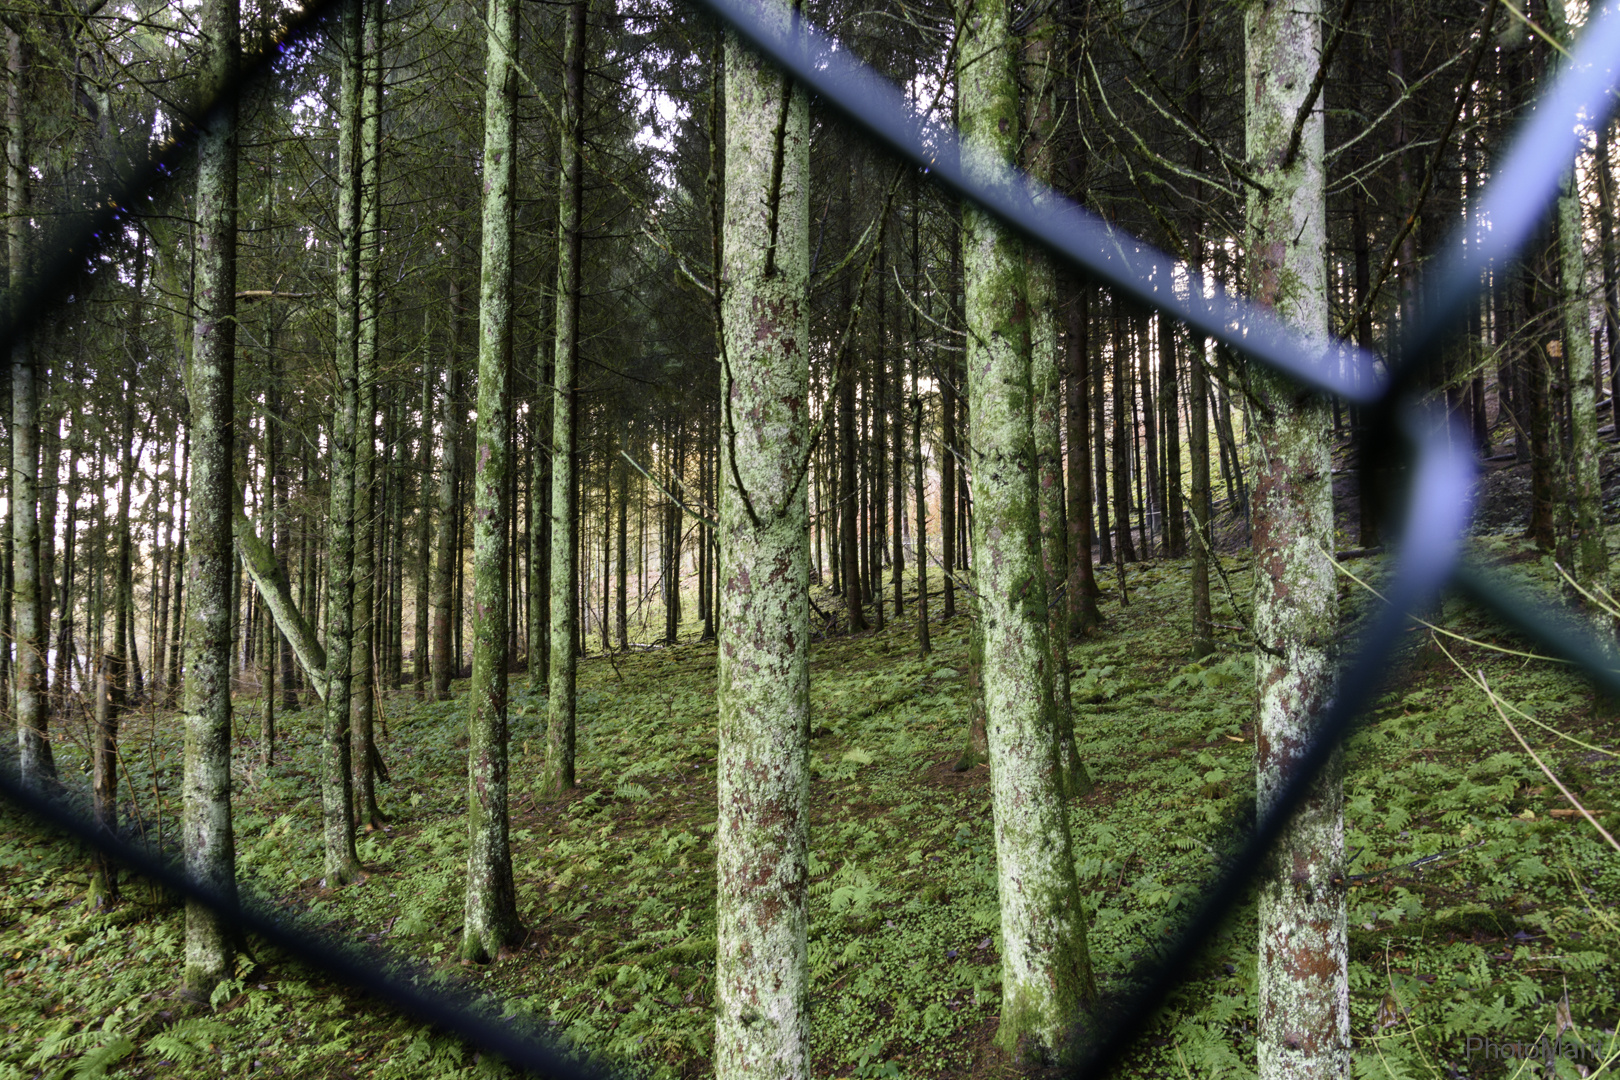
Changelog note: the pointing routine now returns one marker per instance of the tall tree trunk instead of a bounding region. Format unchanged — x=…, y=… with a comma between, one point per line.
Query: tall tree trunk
x=1099, y=449
x=621, y=598
x=919, y=477
x=1304, y=1022
x=946, y=374
x=1611, y=270
x=1046, y=381
x=878, y=447
x=1153, y=505
x=113, y=666
x=446, y=545
x=34, y=759
x=340, y=863
x=424, y=522
x=491, y=911
x=1124, y=427
x=208, y=847
x=607, y=544
x=849, y=491
x=1591, y=545
x=762, y=964
x=366, y=633
x=540, y=538
x=1082, y=591
x=1543, y=423
x=557, y=774
x=50, y=468
x=1175, y=530
x=163, y=527
x=897, y=464
x=171, y=681
x=1045, y=969
x=281, y=521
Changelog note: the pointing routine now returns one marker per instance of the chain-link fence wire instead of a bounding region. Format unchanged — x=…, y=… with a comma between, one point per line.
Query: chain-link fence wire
x=1439, y=482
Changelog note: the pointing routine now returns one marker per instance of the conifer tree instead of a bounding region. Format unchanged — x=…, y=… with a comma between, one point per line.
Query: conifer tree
x=1045, y=969
x=762, y=965
x=1304, y=1023
x=207, y=843
x=491, y=911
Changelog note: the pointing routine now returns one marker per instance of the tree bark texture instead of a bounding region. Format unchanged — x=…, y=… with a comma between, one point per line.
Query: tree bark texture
x=1591, y=547
x=491, y=909
x=208, y=847
x=340, y=863
x=365, y=642
x=36, y=764
x=1304, y=1021
x=557, y=773
x=762, y=963
x=1046, y=973
x=1046, y=381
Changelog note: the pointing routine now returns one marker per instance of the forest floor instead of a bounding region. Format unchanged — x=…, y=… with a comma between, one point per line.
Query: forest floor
x=1481, y=908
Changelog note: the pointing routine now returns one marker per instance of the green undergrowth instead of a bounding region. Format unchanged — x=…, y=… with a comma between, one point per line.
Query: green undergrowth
x=1477, y=907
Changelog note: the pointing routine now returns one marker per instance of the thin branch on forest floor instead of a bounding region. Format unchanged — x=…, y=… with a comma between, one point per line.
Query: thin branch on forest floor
x=1542, y=765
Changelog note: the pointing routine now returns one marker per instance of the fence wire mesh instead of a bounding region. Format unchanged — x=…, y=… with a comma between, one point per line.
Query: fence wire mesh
x=1435, y=509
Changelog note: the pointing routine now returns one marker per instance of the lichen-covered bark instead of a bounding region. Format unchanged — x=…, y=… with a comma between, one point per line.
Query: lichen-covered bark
x=340, y=864
x=1303, y=1028
x=36, y=765
x=1046, y=380
x=1045, y=971
x=207, y=846
x=267, y=576
x=491, y=908
x=557, y=771
x=762, y=964
x=362, y=713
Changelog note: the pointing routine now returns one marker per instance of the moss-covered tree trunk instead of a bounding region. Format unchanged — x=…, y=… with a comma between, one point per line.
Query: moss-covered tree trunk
x=340, y=864
x=1303, y=1027
x=557, y=772
x=1591, y=547
x=35, y=762
x=491, y=910
x=207, y=845
x=362, y=712
x=762, y=964
x=1046, y=381
x=1045, y=970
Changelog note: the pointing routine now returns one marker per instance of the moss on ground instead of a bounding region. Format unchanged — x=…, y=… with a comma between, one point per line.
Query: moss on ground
x=615, y=880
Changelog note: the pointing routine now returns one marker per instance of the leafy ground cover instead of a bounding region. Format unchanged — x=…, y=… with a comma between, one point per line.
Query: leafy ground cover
x=1481, y=907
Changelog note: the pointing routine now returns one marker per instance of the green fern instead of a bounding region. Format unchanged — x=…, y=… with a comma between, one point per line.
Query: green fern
x=188, y=1040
